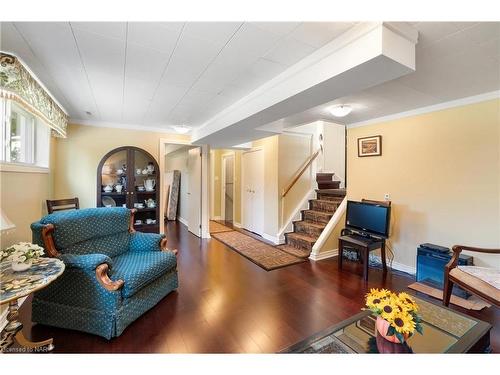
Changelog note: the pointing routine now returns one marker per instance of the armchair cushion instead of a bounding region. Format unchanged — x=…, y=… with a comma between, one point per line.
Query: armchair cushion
x=489, y=275
x=86, y=262
x=466, y=279
x=145, y=241
x=140, y=268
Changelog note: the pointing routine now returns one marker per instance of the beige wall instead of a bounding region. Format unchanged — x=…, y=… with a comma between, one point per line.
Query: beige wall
x=269, y=146
x=80, y=153
x=23, y=198
x=442, y=171
x=293, y=151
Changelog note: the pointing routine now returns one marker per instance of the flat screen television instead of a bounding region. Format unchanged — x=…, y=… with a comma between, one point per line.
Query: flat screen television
x=371, y=218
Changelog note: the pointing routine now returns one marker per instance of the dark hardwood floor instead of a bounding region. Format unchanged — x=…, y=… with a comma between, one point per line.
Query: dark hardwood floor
x=225, y=304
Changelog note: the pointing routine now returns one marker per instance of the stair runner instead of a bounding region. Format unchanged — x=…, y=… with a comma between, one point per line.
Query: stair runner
x=314, y=220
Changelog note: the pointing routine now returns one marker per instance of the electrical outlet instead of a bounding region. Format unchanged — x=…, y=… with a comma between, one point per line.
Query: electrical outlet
x=387, y=197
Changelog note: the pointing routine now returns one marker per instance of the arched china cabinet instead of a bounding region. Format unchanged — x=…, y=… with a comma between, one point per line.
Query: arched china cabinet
x=129, y=177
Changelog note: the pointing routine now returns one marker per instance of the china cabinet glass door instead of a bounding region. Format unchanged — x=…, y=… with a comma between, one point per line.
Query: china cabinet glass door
x=128, y=177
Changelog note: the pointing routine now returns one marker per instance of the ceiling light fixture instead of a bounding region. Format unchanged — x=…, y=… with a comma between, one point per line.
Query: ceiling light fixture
x=181, y=129
x=340, y=110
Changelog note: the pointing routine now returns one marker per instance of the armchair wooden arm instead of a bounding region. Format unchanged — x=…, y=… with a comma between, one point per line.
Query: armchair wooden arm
x=449, y=280
x=101, y=272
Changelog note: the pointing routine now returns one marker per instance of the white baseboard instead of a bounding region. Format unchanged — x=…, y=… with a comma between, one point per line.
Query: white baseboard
x=182, y=220
x=324, y=255
x=398, y=266
x=236, y=224
x=216, y=218
x=274, y=239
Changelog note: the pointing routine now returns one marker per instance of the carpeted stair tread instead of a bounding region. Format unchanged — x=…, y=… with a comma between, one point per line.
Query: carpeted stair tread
x=335, y=192
x=325, y=202
x=311, y=223
x=320, y=213
x=299, y=253
x=301, y=236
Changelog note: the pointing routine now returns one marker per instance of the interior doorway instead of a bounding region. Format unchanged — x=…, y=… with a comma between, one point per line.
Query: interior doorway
x=181, y=166
x=252, y=193
x=228, y=188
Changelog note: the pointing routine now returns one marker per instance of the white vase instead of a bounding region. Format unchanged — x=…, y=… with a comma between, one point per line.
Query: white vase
x=18, y=267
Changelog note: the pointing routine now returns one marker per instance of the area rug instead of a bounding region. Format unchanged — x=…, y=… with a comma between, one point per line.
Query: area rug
x=215, y=227
x=262, y=254
x=472, y=303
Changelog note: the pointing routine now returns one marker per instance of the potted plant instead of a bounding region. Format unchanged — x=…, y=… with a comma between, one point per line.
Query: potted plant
x=397, y=314
x=22, y=255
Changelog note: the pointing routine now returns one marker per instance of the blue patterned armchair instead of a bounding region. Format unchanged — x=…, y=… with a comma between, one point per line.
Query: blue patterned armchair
x=113, y=274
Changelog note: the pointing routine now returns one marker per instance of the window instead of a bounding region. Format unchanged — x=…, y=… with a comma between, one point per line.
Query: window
x=25, y=138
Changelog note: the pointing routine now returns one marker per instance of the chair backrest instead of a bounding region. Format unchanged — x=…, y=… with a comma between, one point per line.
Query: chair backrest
x=101, y=230
x=62, y=204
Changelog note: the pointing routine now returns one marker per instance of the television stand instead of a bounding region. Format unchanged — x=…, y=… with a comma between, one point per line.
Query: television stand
x=364, y=243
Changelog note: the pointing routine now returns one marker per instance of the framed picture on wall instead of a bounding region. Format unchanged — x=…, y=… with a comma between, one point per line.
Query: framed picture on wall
x=370, y=146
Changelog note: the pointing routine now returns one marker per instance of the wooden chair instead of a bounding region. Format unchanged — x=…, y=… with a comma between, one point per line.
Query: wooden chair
x=62, y=204
x=470, y=278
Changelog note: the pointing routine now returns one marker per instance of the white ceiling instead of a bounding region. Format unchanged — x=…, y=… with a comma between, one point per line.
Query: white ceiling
x=159, y=74
x=453, y=60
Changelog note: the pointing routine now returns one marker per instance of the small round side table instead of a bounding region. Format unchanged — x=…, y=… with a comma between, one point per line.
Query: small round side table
x=15, y=285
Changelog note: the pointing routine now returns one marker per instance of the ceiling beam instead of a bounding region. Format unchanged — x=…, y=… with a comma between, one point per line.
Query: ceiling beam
x=367, y=55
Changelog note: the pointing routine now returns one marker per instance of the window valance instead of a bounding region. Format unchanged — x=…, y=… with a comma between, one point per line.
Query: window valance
x=17, y=83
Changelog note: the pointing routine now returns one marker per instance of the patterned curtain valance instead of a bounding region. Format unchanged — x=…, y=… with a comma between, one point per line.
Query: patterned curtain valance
x=16, y=83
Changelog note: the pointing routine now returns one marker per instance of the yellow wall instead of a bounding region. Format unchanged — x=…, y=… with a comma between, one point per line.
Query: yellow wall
x=80, y=153
x=442, y=171
x=23, y=198
x=293, y=151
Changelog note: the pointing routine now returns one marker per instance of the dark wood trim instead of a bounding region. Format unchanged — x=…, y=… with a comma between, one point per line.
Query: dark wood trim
x=101, y=273
x=48, y=241
x=129, y=193
x=449, y=280
x=55, y=204
x=132, y=221
x=163, y=246
x=373, y=136
x=381, y=203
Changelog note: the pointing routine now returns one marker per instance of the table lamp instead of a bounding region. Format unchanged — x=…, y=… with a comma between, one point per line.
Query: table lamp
x=5, y=224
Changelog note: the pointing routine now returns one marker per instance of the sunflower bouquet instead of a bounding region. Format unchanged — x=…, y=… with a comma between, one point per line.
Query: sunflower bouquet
x=397, y=314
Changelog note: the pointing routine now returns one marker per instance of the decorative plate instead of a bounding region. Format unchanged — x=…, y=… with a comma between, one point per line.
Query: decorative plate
x=108, y=202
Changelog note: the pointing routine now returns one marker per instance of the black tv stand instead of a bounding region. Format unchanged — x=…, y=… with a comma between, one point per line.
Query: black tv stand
x=364, y=243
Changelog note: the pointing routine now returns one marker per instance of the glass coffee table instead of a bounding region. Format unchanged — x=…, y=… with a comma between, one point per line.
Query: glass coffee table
x=445, y=331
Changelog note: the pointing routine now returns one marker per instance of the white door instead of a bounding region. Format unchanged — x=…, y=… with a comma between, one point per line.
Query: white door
x=253, y=191
x=194, y=191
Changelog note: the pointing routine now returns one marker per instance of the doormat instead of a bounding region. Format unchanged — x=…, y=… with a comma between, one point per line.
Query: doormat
x=260, y=253
x=472, y=303
x=215, y=227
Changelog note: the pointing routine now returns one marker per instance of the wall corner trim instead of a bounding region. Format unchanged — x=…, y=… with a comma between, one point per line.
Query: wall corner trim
x=324, y=255
x=329, y=228
x=428, y=109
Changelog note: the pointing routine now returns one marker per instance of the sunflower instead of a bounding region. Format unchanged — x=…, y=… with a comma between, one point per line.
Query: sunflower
x=373, y=301
x=408, y=301
x=388, y=308
x=402, y=322
x=385, y=293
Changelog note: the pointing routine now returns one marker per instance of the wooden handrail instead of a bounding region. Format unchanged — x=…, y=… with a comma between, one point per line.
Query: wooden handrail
x=301, y=172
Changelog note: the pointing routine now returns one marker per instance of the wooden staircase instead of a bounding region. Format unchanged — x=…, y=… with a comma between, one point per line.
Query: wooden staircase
x=306, y=231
